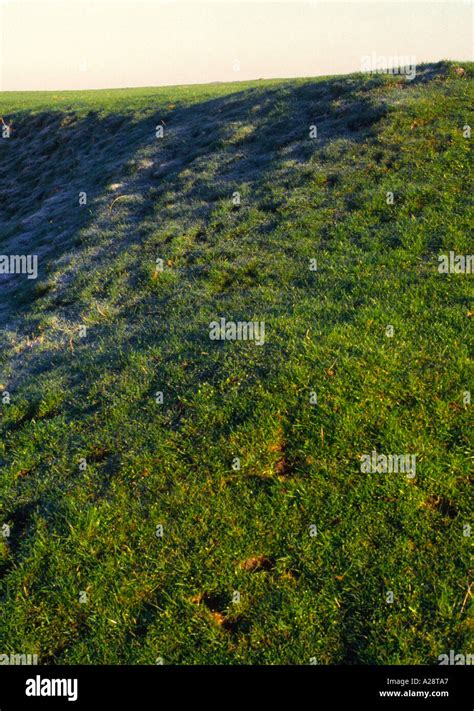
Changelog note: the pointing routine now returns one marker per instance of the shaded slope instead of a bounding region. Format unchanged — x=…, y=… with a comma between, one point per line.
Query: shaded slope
x=94, y=397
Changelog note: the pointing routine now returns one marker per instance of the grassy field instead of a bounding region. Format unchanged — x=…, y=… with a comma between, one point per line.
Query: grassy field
x=130, y=533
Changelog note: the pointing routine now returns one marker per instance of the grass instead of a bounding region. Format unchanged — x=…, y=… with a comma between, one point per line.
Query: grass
x=132, y=537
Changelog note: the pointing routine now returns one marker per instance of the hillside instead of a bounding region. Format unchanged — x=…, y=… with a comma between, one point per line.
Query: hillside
x=169, y=496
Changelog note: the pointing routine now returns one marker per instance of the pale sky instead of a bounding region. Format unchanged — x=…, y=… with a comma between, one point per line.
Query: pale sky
x=86, y=44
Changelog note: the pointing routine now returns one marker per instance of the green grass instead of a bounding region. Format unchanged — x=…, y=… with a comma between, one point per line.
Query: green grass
x=93, y=530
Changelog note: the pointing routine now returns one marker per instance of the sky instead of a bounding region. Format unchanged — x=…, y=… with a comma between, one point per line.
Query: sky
x=87, y=44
